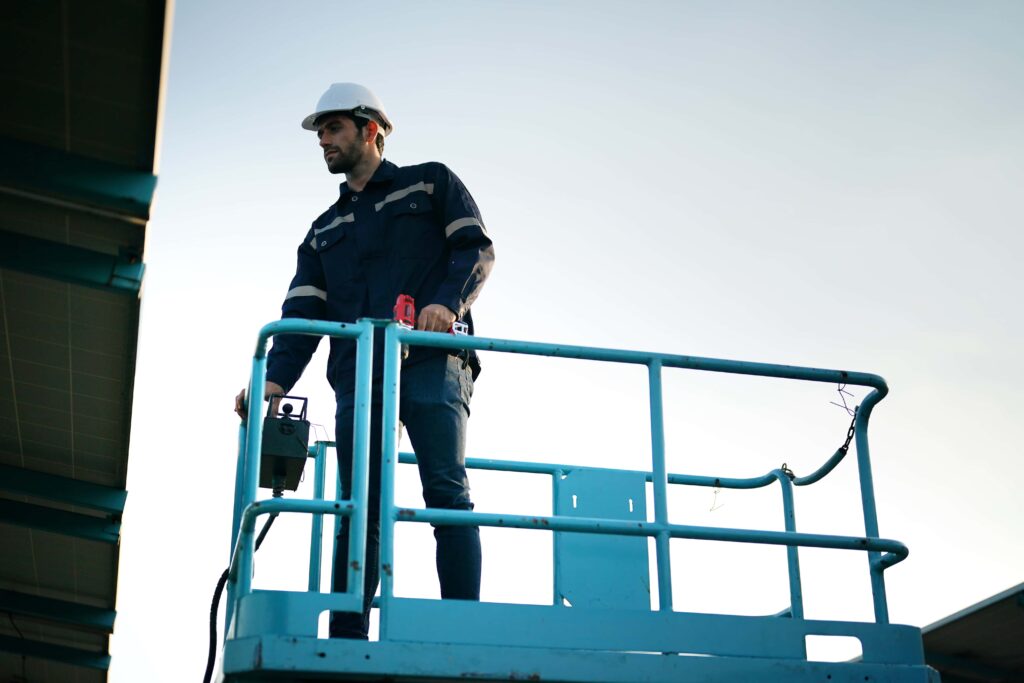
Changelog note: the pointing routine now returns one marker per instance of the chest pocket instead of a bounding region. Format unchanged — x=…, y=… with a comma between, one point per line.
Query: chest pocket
x=412, y=226
x=334, y=246
x=325, y=238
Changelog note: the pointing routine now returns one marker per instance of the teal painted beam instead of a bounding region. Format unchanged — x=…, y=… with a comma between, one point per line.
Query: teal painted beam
x=70, y=264
x=62, y=489
x=46, y=173
x=101, y=529
x=62, y=611
x=55, y=653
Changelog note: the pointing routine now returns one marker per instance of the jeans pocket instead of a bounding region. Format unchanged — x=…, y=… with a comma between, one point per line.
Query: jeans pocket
x=459, y=381
x=465, y=382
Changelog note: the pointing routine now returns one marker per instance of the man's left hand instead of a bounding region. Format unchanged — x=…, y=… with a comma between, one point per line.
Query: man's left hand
x=435, y=318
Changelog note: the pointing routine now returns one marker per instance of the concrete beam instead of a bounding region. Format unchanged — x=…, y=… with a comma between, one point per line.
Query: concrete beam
x=55, y=653
x=70, y=264
x=101, y=529
x=62, y=489
x=53, y=176
x=62, y=611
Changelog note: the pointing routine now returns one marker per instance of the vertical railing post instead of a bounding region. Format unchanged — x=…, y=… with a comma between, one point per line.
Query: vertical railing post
x=252, y=467
x=796, y=594
x=337, y=529
x=360, y=460
x=556, y=570
x=659, y=479
x=867, y=493
x=236, y=520
x=389, y=456
x=316, y=535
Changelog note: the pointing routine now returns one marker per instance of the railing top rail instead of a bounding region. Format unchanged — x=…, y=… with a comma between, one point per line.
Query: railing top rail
x=459, y=342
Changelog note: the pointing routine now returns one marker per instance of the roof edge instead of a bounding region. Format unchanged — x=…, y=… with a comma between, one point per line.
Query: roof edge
x=977, y=607
x=165, y=60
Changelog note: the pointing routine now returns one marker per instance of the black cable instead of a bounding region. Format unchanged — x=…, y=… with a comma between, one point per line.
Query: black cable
x=16, y=629
x=215, y=605
x=22, y=636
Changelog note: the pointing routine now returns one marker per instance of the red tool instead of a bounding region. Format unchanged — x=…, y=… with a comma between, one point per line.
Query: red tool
x=405, y=311
x=405, y=315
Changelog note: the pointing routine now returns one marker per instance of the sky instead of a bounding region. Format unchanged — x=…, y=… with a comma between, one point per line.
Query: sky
x=822, y=184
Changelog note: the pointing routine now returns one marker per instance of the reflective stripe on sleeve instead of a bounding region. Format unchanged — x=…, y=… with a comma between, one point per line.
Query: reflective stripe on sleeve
x=405, y=192
x=306, y=290
x=461, y=223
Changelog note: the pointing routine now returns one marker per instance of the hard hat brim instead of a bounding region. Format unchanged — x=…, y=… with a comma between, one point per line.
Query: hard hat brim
x=309, y=123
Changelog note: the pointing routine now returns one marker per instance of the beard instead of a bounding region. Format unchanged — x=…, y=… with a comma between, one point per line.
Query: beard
x=343, y=161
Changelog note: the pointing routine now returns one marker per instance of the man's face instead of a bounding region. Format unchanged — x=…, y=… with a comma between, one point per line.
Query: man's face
x=341, y=142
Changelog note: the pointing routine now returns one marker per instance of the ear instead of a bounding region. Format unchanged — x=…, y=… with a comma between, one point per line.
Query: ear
x=372, y=128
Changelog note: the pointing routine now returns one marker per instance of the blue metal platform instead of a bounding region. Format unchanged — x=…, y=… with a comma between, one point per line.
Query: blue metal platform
x=599, y=627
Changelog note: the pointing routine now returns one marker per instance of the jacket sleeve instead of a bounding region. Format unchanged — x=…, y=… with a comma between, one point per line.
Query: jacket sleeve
x=306, y=298
x=472, y=252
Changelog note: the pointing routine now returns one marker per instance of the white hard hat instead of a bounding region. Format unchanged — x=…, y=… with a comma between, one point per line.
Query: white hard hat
x=354, y=98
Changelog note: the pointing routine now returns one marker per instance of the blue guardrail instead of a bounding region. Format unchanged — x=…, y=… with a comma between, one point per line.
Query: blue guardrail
x=600, y=626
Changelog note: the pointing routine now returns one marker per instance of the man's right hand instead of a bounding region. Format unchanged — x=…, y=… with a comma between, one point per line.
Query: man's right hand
x=269, y=389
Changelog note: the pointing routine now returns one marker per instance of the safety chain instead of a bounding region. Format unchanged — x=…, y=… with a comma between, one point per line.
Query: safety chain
x=844, y=448
x=850, y=432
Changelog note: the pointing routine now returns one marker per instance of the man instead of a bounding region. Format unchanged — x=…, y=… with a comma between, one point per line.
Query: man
x=394, y=230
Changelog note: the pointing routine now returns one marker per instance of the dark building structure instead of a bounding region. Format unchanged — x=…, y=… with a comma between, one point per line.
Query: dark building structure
x=981, y=644
x=79, y=140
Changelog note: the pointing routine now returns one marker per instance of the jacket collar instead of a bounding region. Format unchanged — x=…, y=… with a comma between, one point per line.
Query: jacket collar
x=385, y=173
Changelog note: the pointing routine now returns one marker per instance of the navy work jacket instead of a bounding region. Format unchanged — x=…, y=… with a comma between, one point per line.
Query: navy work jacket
x=412, y=230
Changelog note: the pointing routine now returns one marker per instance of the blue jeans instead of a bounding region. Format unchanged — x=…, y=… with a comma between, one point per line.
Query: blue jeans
x=434, y=407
